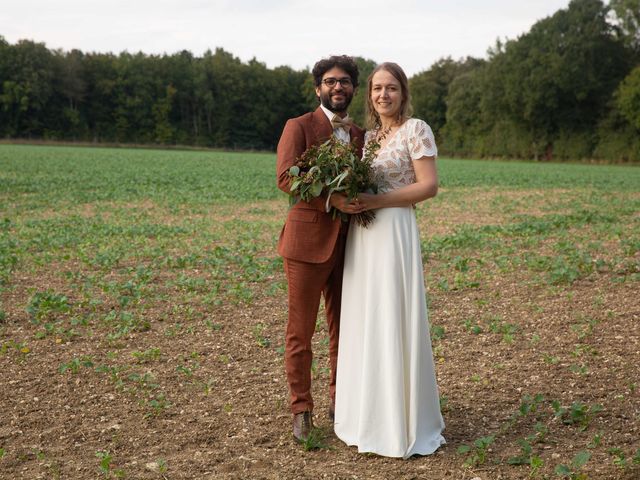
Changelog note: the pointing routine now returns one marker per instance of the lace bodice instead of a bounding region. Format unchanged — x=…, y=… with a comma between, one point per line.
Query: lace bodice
x=393, y=164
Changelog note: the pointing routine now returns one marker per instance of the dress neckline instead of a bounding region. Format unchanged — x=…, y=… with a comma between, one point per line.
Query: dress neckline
x=395, y=134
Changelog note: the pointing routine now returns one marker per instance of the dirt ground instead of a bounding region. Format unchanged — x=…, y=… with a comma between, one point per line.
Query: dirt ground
x=199, y=391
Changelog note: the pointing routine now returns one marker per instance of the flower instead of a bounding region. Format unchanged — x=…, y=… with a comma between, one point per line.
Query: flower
x=334, y=166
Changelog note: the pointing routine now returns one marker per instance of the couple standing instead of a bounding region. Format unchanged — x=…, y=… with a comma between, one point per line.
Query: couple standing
x=384, y=397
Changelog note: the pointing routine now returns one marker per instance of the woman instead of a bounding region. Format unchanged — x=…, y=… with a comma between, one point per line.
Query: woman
x=387, y=397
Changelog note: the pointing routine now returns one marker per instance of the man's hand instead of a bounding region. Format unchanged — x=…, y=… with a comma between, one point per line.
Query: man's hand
x=342, y=203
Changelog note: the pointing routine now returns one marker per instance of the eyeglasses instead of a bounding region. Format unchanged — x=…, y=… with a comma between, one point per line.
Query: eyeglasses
x=332, y=82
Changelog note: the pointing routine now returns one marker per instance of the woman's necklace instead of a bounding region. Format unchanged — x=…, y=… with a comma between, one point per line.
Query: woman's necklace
x=381, y=136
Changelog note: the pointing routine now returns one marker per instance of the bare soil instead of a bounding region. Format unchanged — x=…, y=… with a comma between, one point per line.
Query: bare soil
x=220, y=392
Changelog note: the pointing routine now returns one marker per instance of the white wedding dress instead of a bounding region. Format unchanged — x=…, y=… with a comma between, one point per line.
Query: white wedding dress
x=387, y=398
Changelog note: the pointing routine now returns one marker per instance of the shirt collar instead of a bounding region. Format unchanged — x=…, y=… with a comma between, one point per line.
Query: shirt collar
x=327, y=112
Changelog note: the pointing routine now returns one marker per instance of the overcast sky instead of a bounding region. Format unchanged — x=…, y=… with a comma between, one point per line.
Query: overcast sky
x=413, y=33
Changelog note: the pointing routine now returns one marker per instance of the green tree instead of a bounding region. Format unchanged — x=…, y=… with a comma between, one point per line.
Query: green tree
x=161, y=113
x=28, y=72
x=70, y=87
x=627, y=98
x=358, y=104
x=100, y=100
x=627, y=15
x=429, y=89
x=463, y=123
x=551, y=85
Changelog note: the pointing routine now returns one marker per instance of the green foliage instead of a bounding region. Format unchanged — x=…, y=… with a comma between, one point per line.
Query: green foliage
x=627, y=98
x=464, y=128
x=214, y=100
x=541, y=96
x=258, y=335
x=578, y=414
x=357, y=108
x=105, y=468
x=527, y=457
x=47, y=303
x=334, y=166
x=147, y=356
x=572, y=471
x=316, y=440
x=431, y=87
x=74, y=365
x=477, y=452
x=437, y=332
x=570, y=145
x=627, y=14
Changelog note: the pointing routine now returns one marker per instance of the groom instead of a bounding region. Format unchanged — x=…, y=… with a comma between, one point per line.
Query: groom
x=312, y=242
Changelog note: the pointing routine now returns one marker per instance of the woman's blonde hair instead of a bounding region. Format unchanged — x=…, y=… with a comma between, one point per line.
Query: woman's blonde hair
x=405, y=111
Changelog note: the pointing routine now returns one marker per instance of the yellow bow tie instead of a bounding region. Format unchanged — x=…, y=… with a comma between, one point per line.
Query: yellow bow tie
x=344, y=123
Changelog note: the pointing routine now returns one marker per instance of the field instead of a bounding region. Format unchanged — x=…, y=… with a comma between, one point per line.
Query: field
x=143, y=309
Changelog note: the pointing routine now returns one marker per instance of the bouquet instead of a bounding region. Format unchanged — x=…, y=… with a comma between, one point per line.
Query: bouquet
x=334, y=166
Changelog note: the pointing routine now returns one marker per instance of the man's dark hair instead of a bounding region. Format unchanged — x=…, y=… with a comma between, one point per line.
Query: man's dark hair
x=344, y=62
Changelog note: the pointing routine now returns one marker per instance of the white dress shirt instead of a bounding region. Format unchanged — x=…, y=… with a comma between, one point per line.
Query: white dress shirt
x=340, y=133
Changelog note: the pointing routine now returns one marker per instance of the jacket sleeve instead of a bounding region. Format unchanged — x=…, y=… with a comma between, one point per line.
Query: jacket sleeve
x=292, y=144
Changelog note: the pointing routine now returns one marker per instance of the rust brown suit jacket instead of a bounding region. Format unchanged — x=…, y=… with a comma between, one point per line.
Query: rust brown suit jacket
x=309, y=233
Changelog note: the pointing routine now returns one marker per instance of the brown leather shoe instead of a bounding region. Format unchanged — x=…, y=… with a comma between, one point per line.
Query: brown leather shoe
x=302, y=425
x=332, y=413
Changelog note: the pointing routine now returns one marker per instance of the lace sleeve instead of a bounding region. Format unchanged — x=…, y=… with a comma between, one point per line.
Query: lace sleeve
x=421, y=141
x=368, y=135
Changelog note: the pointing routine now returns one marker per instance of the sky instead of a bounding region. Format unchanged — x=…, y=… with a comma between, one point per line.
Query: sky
x=297, y=33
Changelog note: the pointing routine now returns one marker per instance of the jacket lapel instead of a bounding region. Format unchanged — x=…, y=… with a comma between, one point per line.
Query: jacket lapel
x=321, y=125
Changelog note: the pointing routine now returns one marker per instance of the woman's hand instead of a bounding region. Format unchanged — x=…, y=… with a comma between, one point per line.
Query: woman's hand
x=425, y=186
x=342, y=203
x=366, y=201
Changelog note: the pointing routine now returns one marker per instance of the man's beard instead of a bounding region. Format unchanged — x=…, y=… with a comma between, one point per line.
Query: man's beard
x=325, y=99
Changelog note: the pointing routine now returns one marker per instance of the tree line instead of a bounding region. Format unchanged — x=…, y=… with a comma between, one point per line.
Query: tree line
x=567, y=89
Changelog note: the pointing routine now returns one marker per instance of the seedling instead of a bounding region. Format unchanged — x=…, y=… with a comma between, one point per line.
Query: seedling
x=579, y=414
x=208, y=386
x=579, y=369
x=44, y=304
x=444, y=403
x=527, y=457
x=525, y=454
x=258, y=334
x=146, y=356
x=315, y=441
x=620, y=459
x=572, y=471
x=105, y=465
x=185, y=370
x=469, y=326
x=214, y=327
x=157, y=405
x=540, y=435
x=162, y=466
x=476, y=453
x=74, y=365
x=437, y=332
x=595, y=441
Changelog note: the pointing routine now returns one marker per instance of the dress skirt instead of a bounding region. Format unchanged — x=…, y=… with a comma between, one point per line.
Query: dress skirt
x=387, y=398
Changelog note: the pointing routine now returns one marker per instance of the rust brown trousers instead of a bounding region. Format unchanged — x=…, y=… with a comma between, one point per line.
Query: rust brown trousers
x=312, y=245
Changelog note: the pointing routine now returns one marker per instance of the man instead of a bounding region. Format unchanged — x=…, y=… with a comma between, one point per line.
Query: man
x=312, y=242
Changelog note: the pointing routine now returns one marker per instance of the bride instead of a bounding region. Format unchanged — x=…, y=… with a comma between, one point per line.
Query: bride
x=386, y=394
